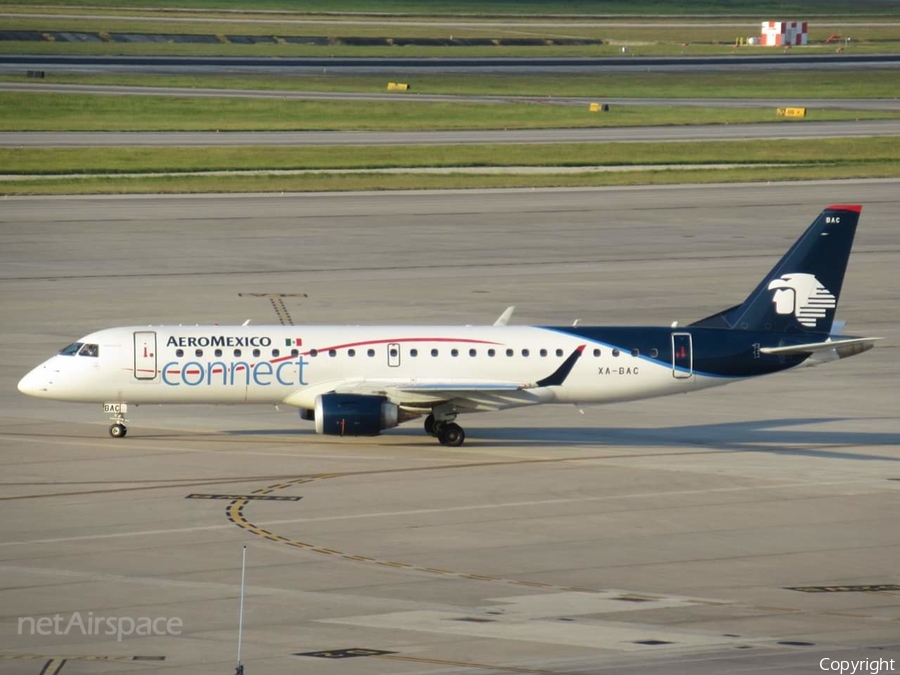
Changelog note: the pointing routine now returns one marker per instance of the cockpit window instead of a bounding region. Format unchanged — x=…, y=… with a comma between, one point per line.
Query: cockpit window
x=90, y=350
x=71, y=350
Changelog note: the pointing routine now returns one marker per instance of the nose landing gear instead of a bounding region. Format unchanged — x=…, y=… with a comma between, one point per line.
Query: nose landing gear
x=118, y=410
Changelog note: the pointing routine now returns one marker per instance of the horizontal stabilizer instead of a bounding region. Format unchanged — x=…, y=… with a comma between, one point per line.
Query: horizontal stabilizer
x=843, y=347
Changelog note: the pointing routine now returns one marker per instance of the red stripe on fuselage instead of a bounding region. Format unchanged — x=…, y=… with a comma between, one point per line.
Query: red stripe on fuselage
x=348, y=345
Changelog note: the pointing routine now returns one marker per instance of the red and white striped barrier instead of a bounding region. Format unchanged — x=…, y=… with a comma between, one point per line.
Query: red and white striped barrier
x=783, y=33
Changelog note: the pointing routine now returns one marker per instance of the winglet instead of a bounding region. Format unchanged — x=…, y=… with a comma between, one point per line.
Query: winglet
x=504, y=318
x=560, y=374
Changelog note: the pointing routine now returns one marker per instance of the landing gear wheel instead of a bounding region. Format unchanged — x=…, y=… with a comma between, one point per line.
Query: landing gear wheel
x=430, y=426
x=118, y=431
x=451, y=435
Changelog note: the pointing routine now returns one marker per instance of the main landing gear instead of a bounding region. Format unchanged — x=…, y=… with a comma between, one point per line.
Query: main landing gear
x=448, y=432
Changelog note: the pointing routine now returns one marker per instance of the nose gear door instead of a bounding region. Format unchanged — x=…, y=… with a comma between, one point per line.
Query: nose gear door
x=145, y=355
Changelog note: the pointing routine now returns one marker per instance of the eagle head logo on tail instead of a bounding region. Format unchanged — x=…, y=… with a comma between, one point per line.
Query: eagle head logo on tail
x=803, y=296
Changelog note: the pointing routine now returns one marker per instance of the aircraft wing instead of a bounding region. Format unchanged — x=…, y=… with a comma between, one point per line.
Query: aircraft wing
x=843, y=347
x=423, y=394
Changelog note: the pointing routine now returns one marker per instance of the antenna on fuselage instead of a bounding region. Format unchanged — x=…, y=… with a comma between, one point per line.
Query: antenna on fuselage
x=246, y=323
x=277, y=304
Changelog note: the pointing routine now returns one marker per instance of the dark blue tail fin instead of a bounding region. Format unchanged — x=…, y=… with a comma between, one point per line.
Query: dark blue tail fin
x=801, y=292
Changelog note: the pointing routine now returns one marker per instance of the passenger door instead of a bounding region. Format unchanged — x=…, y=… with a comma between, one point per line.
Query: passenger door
x=682, y=355
x=145, y=355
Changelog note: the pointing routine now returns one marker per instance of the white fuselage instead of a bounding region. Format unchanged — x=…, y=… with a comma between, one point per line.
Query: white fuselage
x=293, y=364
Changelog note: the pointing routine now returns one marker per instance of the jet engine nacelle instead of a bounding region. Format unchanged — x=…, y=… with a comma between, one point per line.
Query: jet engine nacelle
x=354, y=414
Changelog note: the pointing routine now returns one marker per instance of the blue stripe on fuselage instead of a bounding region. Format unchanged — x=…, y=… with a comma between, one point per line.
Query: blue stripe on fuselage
x=716, y=352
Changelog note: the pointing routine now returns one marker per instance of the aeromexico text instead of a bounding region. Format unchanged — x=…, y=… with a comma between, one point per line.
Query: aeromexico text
x=219, y=341
x=288, y=372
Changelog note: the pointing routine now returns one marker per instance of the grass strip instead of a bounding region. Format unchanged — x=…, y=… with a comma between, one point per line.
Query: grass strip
x=672, y=32
x=787, y=84
x=356, y=182
x=86, y=160
x=77, y=112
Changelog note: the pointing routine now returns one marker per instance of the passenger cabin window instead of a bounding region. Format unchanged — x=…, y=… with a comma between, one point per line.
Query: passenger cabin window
x=218, y=353
x=90, y=350
x=491, y=352
x=313, y=352
x=275, y=352
x=256, y=352
x=473, y=352
x=351, y=352
x=413, y=352
x=71, y=350
x=543, y=352
x=615, y=352
x=332, y=353
x=371, y=352
x=635, y=352
x=434, y=352
x=393, y=352
x=654, y=352
x=597, y=352
x=509, y=352
x=295, y=352
x=198, y=352
x=559, y=352
x=454, y=352
x=525, y=352
x=179, y=353
x=237, y=352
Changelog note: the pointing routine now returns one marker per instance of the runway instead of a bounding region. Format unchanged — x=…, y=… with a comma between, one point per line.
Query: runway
x=105, y=90
x=750, y=528
x=175, y=15
x=699, y=132
x=361, y=65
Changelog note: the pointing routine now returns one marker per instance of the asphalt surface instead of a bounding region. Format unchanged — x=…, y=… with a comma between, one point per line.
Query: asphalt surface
x=224, y=64
x=174, y=15
x=657, y=537
x=787, y=129
x=412, y=97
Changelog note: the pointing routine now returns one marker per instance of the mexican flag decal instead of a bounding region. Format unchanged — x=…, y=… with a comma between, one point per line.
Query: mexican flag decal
x=296, y=342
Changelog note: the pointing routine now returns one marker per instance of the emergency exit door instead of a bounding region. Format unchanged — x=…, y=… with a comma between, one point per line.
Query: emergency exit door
x=393, y=355
x=682, y=355
x=145, y=355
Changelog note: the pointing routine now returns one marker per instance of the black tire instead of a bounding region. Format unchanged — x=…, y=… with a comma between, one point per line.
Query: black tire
x=452, y=435
x=118, y=431
x=429, y=426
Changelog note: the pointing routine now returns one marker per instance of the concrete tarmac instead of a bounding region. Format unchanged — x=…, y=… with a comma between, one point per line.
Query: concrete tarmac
x=699, y=132
x=485, y=65
x=661, y=536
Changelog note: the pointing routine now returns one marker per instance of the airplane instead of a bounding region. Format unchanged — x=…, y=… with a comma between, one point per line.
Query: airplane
x=362, y=380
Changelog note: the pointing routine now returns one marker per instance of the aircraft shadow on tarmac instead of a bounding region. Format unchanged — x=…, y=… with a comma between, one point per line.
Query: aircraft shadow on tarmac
x=769, y=436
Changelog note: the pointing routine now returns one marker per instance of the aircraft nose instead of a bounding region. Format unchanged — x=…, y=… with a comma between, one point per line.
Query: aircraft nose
x=35, y=382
